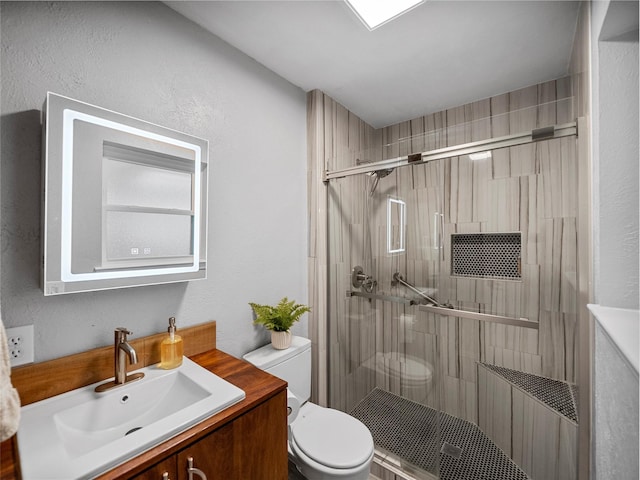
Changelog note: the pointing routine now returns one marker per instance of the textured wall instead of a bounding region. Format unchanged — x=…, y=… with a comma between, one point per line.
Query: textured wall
x=145, y=60
x=619, y=235
x=615, y=411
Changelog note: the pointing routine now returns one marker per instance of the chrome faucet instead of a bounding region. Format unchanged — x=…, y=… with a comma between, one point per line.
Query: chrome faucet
x=122, y=349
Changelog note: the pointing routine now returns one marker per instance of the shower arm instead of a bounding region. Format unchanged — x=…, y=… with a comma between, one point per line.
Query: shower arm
x=397, y=278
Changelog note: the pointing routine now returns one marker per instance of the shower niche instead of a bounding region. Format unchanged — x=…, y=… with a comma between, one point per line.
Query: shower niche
x=125, y=201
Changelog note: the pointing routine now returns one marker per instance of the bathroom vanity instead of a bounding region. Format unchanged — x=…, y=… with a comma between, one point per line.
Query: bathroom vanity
x=239, y=443
x=246, y=440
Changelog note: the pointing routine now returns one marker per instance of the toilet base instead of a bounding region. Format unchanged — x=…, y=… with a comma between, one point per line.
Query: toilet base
x=304, y=472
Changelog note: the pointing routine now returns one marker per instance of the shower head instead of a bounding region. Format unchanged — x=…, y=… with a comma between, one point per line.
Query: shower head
x=377, y=175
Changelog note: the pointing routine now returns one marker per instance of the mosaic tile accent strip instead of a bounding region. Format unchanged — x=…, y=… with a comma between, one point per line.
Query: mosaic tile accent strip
x=574, y=392
x=410, y=430
x=560, y=396
x=486, y=255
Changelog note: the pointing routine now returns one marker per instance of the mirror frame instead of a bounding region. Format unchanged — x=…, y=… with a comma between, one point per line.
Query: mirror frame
x=59, y=116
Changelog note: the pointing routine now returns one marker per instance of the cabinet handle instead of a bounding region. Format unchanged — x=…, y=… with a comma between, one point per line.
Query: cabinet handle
x=165, y=476
x=191, y=470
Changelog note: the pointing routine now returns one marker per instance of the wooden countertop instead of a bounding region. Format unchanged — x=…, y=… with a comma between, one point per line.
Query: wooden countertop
x=257, y=385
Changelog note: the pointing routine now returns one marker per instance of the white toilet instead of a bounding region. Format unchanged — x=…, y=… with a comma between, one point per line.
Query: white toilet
x=324, y=443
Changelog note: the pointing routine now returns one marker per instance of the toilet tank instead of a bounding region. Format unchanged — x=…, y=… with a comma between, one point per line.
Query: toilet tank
x=293, y=365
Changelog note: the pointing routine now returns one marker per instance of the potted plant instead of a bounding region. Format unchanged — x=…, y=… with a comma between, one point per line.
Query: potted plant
x=279, y=319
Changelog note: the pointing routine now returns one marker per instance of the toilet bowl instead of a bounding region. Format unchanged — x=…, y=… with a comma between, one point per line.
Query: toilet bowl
x=324, y=443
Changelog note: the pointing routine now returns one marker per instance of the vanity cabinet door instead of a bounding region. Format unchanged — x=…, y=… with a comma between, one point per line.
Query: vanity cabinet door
x=261, y=439
x=253, y=447
x=213, y=455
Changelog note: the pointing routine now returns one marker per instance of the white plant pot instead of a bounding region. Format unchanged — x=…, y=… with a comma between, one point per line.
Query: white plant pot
x=280, y=340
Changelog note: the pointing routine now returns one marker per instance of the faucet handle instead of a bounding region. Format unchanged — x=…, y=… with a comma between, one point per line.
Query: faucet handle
x=121, y=334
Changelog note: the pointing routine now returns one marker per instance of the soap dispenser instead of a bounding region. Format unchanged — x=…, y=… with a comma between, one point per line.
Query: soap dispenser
x=171, y=348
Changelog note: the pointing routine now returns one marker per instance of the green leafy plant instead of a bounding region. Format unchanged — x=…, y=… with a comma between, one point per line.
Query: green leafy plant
x=280, y=317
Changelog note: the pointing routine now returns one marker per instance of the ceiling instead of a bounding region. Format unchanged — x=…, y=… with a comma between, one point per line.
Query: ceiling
x=441, y=54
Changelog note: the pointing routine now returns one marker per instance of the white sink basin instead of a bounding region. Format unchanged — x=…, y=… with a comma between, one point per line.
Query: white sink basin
x=82, y=433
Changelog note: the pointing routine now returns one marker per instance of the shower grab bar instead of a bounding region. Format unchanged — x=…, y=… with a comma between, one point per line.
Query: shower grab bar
x=397, y=278
x=451, y=312
x=447, y=309
x=484, y=317
x=376, y=296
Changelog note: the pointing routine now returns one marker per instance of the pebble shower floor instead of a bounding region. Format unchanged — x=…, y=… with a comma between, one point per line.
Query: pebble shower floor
x=409, y=430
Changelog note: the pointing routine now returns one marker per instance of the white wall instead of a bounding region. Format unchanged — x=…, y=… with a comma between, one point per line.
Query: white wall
x=615, y=153
x=144, y=60
x=616, y=238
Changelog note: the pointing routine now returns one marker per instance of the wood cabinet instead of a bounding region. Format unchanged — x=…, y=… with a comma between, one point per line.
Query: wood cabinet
x=250, y=447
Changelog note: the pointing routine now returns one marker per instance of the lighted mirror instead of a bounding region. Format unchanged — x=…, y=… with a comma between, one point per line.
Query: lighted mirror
x=396, y=225
x=125, y=201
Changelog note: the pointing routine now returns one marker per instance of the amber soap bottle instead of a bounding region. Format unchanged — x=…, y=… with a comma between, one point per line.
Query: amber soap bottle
x=171, y=348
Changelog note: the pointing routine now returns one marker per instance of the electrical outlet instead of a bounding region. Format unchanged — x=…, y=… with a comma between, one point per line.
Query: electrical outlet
x=20, y=345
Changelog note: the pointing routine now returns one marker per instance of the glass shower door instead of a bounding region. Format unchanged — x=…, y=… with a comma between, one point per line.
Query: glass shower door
x=383, y=350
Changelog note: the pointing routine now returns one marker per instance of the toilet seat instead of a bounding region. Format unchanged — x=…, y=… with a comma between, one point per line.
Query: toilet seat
x=333, y=439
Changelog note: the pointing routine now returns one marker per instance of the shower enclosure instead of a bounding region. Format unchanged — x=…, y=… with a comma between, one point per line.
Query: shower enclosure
x=451, y=286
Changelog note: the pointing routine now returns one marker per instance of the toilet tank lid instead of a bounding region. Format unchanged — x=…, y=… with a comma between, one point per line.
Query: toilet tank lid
x=267, y=356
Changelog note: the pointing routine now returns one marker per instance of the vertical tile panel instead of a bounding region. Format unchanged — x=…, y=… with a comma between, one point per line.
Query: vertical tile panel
x=523, y=159
x=570, y=347
x=483, y=392
x=519, y=427
x=451, y=396
x=547, y=108
x=482, y=174
x=532, y=364
x=551, y=166
x=471, y=406
x=494, y=408
x=480, y=120
x=564, y=109
x=500, y=106
x=522, y=116
x=452, y=198
x=568, y=266
x=465, y=171
x=530, y=219
x=569, y=177
x=457, y=133
x=531, y=292
x=545, y=443
x=568, y=451
x=452, y=353
x=505, y=201
x=417, y=130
